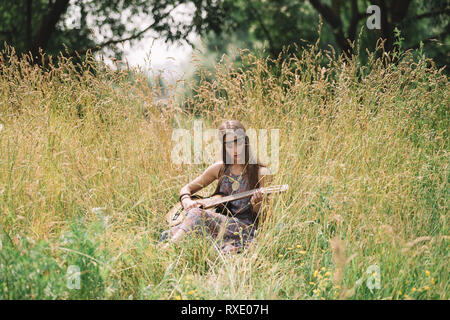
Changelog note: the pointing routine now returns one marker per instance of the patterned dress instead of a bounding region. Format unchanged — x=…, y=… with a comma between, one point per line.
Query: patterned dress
x=233, y=228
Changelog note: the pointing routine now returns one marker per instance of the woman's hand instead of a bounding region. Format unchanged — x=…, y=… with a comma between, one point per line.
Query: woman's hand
x=256, y=199
x=188, y=203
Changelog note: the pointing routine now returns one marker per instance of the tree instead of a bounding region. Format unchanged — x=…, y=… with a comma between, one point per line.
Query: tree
x=82, y=25
x=393, y=14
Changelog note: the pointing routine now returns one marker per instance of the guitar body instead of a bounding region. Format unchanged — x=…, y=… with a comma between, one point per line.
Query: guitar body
x=177, y=214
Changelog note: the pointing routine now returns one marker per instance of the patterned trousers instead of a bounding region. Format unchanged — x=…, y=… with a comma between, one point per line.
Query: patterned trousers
x=234, y=233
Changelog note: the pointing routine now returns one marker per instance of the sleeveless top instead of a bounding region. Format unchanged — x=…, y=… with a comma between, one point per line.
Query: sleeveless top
x=242, y=208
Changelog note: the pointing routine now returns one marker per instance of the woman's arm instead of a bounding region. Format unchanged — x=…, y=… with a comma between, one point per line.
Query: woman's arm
x=264, y=178
x=206, y=178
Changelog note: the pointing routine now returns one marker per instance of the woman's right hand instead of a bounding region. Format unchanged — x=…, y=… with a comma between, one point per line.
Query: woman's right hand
x=188, y=203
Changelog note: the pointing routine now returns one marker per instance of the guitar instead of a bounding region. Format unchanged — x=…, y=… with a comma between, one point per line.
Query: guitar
x=176, y=215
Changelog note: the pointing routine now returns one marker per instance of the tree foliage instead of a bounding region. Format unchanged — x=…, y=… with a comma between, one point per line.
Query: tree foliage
x=280, y=23
x=81, y=25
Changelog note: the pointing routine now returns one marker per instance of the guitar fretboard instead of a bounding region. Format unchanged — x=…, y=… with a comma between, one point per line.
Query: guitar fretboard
x=213, y=202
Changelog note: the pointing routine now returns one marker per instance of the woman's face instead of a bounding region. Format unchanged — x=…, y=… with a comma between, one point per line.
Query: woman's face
x=235, y=148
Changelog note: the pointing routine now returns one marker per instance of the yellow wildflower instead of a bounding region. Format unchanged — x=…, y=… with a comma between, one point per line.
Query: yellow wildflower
x=427, y=272
x=413, y=289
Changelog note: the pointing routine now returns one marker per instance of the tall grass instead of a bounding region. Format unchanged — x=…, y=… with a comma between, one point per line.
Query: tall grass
x=86, y=178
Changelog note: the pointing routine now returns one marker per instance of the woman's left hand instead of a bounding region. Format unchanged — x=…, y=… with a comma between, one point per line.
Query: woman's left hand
x=256, y=199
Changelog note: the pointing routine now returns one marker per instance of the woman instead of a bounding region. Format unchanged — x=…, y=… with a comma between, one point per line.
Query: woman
x=236, y=173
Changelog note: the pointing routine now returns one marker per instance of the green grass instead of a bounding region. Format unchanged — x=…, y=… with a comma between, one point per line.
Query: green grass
x=364, y=149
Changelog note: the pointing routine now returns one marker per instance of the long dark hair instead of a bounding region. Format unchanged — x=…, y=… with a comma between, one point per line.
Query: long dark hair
x=251, y=166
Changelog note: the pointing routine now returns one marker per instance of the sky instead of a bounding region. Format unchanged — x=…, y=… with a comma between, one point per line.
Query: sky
x=151, y=53
x=154, y=55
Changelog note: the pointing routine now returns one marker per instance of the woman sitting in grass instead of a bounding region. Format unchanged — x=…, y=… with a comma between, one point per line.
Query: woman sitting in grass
x=236, y=173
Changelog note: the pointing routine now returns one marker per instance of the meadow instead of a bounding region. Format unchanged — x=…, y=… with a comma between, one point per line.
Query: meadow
x=86, y=178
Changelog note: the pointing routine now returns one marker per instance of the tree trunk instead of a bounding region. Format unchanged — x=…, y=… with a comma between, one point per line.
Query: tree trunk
x=391, y=15
x=48, y=25
x=29, y=37
x=335, y=22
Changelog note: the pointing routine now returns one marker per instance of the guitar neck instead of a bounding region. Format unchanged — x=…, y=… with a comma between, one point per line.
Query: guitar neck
x=209, y=203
